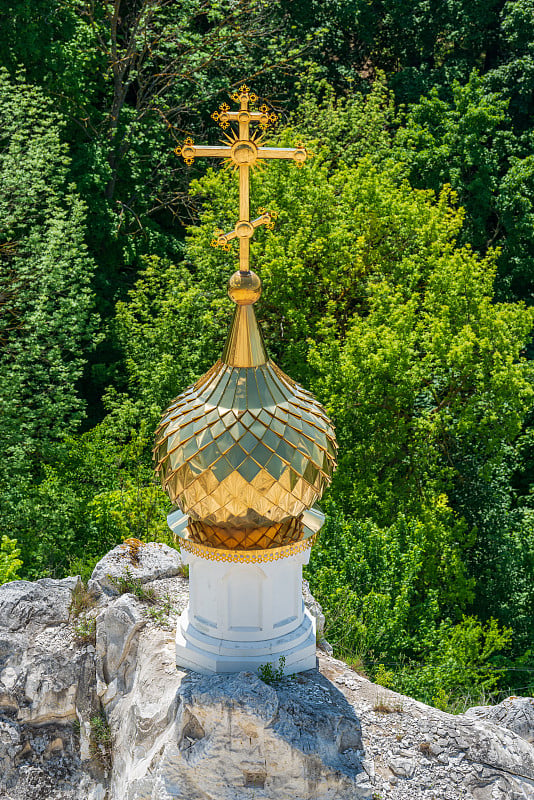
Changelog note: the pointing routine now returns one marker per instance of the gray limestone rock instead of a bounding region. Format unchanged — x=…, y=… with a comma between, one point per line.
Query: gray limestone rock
x=317, y=612
x=515, y=713
x=403, y=767
x=146, y=562
x=47, y=684
x=25, y=604
x=116, y=644
x=233, y=736
x=327, y=735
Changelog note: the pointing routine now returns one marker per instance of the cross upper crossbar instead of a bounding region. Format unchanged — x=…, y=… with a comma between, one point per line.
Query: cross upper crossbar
x=244, y=152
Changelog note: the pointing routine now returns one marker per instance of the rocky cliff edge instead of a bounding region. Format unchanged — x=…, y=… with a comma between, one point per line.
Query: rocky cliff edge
x=92, y=707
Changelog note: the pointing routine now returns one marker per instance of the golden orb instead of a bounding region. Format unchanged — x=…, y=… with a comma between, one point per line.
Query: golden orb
x=244, y=288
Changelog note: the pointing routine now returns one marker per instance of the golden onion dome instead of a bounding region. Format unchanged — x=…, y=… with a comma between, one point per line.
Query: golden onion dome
x=245, y=450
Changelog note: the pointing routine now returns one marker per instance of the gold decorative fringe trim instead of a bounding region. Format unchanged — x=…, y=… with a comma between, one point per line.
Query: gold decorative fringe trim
x=248, y=556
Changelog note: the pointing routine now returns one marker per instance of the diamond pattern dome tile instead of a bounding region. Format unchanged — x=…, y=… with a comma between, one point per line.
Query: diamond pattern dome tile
x=245, y=447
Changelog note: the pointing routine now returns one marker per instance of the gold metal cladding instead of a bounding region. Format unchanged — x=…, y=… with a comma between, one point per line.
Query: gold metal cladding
x=244, y=288
x=243, y=151
x=245, y=452
x=261, y=538
x=244, y=346
x=248, y=556
x=243, y=229
x=245, y=447
x=264, y=117
x=312, y=522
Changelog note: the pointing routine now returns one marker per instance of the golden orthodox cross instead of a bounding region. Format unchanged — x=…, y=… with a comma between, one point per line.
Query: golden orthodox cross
x=243, y=152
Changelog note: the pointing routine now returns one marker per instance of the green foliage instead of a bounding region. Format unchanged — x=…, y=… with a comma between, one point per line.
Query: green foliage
x=417, y=45
x=268, y=674
x=374, y=305
x=456, y=660
x=381, y=589
x=82, y=566
x=384, y=677
x=371, y=303
x=100, y=743
x=515, y=209
x=501, y=555
x=349, y=128
x=50, y=324
x=466, y=140
x=85, y=630
x=100, y=729
x=46, y=265
x=10, y=563
x=380, y=602
x=128, y=584
x=170, y=329
x=378, y=295
x=461, y=141
x=130, y=81
x=53, y=43
x=98, y=490
x=130, y=511
x=512, y=71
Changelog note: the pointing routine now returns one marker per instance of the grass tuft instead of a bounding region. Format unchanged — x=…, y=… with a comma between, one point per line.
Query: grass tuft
x=81, y=601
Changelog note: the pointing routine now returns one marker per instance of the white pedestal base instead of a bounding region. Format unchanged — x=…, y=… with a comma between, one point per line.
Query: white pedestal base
x=243, y=615
x=209, y=655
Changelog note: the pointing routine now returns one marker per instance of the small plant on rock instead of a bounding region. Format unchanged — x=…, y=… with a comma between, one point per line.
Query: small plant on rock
x=10, y=562
x=76, y=728
x=384, y=677
x=269, y=675
x=81, y=600
x=441, y=700
x=357, y=665
x=100, y=742
x=161, y=607
x=127, y=584
x=85, y=630
x=159, y=614
x=385, y=705
x=184, y=571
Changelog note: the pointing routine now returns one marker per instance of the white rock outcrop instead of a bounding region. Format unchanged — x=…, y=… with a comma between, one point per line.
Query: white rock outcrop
x=47, y=683
x=116, y=720
x=515, y=713
x=146, y=564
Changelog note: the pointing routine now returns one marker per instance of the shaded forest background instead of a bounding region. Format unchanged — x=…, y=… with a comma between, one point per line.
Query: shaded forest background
x=398, y=287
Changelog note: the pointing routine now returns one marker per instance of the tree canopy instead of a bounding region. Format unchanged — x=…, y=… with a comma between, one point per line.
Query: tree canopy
x=397, y=287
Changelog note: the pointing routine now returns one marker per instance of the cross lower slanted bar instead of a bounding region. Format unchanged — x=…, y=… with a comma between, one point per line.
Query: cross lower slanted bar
x=245, y=152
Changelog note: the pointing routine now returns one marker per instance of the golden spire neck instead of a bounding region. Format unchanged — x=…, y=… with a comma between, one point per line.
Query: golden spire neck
x=244, y=346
